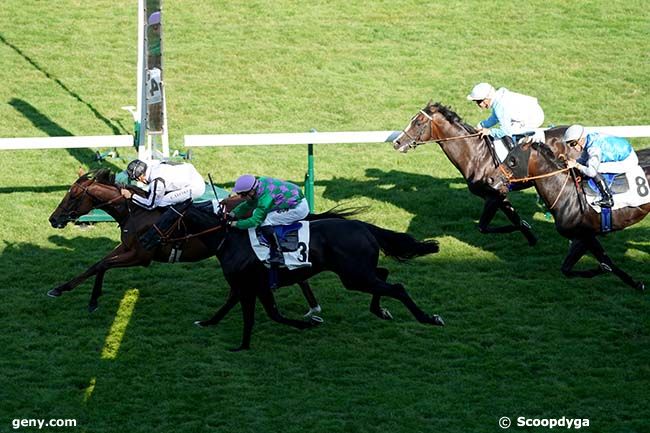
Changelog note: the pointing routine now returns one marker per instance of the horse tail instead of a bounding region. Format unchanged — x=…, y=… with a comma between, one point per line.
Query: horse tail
x=402, y=246
x=337, y=213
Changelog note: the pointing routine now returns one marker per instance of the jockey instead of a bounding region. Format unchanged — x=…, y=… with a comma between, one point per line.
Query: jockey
x=516, y=114
x=273, y=202
x=170, y=185
x=600, y=154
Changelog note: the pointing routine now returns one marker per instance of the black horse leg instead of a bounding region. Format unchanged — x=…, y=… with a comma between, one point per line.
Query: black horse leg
x=375, y=307
x=231, y=301
x=247, y=300
x=515, y=219
x=268, y=302
x=378, y=287
x=314, y=306
x=608, y=265
x=97, y=291
x=577, y=250
x=492, y=205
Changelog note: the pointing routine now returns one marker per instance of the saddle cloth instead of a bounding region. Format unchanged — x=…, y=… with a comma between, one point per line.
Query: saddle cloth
x=628, y=189
x=298, y=257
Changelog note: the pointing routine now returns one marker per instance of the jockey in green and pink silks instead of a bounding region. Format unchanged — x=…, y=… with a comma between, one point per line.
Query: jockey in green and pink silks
x=273, y=202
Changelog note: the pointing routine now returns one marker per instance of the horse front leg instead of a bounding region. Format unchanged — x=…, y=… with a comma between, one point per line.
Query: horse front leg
x=268, y=302
x=523, y=226
x=231, y=301
x=577, y=250
x=127, y=259
x=490, y=208
x=69, y=285
x=247, y=302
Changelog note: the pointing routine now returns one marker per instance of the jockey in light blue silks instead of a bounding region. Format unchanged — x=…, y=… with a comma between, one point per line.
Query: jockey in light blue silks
x=516, y=114
x=600, y=154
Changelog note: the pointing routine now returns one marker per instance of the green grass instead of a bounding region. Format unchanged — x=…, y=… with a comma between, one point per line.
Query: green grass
x=521, y=340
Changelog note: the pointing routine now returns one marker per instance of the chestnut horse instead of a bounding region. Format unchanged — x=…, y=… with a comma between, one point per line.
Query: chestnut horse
x=97, y=190
x=474, y=157
x=574, y=219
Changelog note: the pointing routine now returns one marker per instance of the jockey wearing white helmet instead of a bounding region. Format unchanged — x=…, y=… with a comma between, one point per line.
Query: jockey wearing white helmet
x=600, y=154
x=515, y=113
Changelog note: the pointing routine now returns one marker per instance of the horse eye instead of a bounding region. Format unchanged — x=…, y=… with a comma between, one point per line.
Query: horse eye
x=512, y=162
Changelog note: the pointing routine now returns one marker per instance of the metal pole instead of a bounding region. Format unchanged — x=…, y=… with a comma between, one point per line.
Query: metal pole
x=309, y=177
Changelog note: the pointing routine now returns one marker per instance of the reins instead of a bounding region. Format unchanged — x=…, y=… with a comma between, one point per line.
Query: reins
x=437, y=140
x=192, y=235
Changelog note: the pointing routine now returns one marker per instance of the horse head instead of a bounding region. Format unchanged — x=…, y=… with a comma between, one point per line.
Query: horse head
x=92, y=190
x=534, y=159
x=434, y=122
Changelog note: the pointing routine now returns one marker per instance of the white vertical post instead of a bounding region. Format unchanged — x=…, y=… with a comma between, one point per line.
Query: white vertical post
x=141, y=109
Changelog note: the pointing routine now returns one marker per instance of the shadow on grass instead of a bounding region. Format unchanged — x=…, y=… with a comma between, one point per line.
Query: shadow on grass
x=116, y=130
x=53, y=129
x=445, y=207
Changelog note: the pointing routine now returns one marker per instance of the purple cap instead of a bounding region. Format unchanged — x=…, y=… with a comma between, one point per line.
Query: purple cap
x=154, y=18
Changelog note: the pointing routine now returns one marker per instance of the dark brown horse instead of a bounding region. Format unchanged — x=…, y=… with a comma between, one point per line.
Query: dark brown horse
x=474, y=157
x=574, y=218
x=97, y=190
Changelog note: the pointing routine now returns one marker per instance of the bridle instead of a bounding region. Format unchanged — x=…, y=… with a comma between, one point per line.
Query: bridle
x=433, y=127
x=86, y=191
x=509, y=175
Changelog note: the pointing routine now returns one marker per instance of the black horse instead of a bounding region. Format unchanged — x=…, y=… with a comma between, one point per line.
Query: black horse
x=97, y=190
x=563, y=195
x=474, y=157
x=348, y=248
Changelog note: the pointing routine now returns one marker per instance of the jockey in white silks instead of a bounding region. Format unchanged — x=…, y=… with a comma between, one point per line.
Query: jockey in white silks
x=169, y=185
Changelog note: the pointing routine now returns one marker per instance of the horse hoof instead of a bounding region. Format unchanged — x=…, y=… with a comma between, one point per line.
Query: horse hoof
x=385, y=314
x=54, y=293
x=640, y=286
x=92, y=308
x=199, y=323
x=315, y=320
x=437, y=320
x=238, y=349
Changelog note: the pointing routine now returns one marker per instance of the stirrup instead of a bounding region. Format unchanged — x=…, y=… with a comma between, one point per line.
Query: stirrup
x=604, y=202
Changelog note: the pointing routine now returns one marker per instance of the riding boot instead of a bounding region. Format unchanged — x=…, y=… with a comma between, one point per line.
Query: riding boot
x=606, y=199
x=274, y=245
x=151, y=238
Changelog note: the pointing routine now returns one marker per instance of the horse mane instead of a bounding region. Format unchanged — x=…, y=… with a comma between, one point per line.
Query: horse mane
x=450, y=115
x=548, y=154
x=101, y=175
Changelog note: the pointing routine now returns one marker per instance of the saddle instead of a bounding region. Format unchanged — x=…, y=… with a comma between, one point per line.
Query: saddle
x=287, y=235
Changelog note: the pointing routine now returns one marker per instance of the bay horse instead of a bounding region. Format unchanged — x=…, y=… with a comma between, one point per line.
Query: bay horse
x=474, y=157
x=564, y=197
x=346, y=247
x=97, y=190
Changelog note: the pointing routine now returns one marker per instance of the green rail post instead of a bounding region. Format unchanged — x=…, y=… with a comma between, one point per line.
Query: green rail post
x=309, y=176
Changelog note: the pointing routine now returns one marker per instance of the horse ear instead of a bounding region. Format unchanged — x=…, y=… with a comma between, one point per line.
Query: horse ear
x=80, y=172
x=430, y=103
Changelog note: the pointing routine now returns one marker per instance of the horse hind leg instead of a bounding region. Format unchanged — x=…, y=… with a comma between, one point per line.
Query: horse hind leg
x=577, y=250
x=607, y=265
x=314, y=306
x=375, y=307
x=378, y=288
